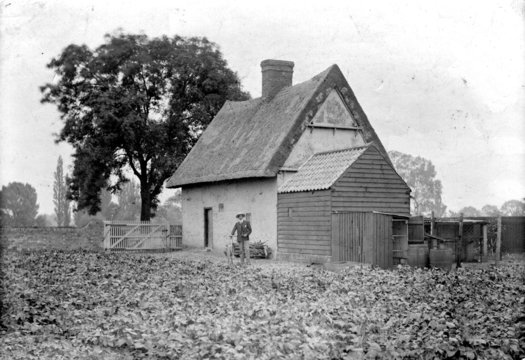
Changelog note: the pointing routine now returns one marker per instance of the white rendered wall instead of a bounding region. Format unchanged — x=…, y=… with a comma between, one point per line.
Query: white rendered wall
x=255, y=196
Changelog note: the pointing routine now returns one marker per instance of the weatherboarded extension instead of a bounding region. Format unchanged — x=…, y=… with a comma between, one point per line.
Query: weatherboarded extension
x=304, y=225
x=344, y=205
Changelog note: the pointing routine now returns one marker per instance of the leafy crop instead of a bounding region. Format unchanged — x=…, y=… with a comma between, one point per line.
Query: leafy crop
x=121, y=306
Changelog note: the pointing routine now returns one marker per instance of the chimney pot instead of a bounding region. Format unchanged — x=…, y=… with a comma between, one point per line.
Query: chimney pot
x=276, y=75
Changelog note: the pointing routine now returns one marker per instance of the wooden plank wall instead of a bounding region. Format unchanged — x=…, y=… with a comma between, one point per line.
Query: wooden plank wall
x=304, y=223
x=513, y=234
x=371, y=184
x=380, y=252
x=347, y=236
x=416, y=230
x=362, y=237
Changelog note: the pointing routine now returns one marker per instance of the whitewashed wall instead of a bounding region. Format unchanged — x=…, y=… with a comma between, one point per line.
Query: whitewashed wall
x=255, y=196
x=317, y=140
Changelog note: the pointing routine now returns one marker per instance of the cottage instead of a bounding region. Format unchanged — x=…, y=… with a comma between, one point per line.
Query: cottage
x=289, y=160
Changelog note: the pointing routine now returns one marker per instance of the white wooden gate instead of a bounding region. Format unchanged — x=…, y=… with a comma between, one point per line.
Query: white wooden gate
x=141, y=235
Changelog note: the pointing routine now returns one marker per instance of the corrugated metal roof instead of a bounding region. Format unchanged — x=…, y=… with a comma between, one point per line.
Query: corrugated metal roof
x=322, y=170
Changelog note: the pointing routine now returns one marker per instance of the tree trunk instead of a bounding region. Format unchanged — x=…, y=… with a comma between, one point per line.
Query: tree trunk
x=145, y=206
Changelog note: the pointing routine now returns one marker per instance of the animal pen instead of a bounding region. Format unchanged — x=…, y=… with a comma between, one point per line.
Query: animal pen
x=465, y=240
x=141, y=236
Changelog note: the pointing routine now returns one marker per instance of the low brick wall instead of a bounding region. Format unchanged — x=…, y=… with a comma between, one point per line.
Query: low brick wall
x=89, y=237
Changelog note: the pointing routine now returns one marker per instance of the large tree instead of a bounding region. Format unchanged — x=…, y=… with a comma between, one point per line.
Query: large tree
x=60, y=200
x=513, y=208
x=18, y=204
x=420, y=175
x=136, y=103
x=469, y=211
x=490, y=210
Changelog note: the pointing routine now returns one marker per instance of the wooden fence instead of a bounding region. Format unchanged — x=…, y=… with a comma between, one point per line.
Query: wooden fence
x=141, y=236
x=513, y=234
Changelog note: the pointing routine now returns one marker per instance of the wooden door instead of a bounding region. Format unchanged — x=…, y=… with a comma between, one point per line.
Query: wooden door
x=347, y=236
x=362, y=237
x=208, y=227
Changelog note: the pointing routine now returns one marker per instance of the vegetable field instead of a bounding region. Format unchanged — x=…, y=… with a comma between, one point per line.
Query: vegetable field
x=118, y=306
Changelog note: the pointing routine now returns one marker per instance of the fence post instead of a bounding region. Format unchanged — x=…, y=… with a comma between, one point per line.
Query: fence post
x=498, y=241
x=106, y=235
x=168, y=235
x=459, y=254
x=432, y=223
x=485, y=240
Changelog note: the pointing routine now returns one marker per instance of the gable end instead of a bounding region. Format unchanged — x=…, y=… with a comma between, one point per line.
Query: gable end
x=371, y=184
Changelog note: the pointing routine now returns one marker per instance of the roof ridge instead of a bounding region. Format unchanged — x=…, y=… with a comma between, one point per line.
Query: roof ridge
x=367, y=145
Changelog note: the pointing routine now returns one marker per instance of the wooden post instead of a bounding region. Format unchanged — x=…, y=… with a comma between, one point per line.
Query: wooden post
x=485, y=240
x=432, y=224
x=459, y=244
x=498, y=241
x=107, y=227
x=168, y=235
x=433, y=242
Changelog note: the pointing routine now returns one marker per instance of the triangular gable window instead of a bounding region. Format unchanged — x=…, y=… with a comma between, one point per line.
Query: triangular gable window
x=333, y=113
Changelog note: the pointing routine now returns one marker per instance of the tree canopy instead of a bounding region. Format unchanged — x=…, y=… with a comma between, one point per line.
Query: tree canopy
x=420, y=175
x=508, y=208
x=490, y=210
x=470, y=211
x=135, y=103
x=18, y=204
x=513, y=208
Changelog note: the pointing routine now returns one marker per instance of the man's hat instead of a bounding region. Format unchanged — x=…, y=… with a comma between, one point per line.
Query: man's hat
x=239, y=215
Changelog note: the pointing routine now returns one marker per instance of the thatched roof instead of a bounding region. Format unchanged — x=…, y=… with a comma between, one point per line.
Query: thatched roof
x=322, y=170
x=253, y=138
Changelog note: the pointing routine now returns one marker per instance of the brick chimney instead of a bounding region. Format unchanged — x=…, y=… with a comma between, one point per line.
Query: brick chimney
x=276, y=75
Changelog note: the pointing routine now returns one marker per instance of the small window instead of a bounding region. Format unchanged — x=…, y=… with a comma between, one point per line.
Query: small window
x=290, y=212
x=249, y=217
x=221, y=207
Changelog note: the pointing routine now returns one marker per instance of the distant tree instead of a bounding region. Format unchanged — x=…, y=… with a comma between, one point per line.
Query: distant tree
x=62, y=203
x=490, y=210
x=43, y=220
x=129, y=202
x=170, y=211
x=469, y=211
x=108, y=208
x=420, y=175
x=18, y=204
x=136, y=103
x=513, y=208
x=81, y=217
x=108, y=212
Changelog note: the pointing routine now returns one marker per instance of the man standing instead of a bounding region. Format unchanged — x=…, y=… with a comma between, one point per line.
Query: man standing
x=243, y=229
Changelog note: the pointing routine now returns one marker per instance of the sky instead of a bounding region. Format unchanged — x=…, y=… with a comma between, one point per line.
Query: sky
x=444, y=80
